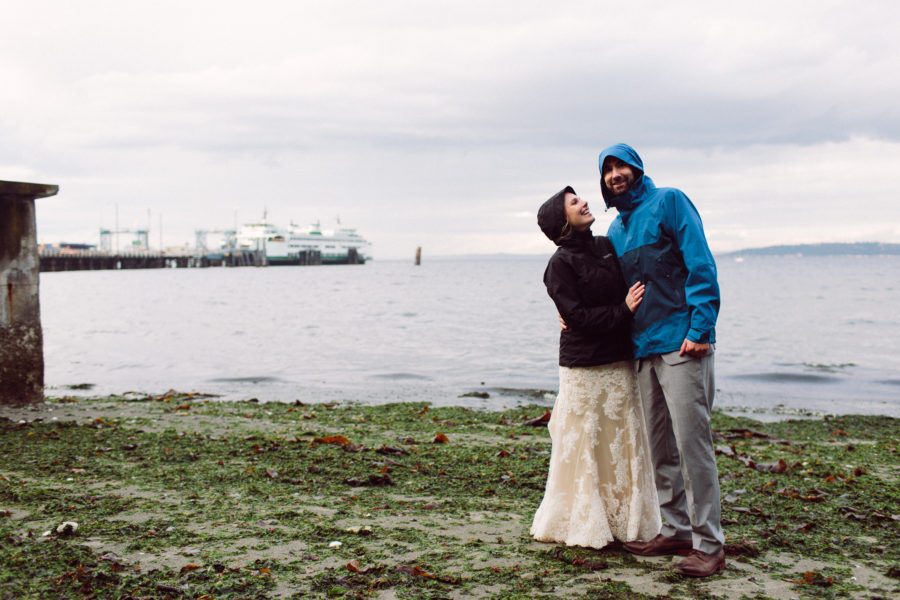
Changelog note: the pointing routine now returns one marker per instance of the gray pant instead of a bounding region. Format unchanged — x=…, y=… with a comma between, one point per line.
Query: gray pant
x=677, y=396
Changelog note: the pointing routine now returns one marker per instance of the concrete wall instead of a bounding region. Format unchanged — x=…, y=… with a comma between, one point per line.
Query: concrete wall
x=21, y=339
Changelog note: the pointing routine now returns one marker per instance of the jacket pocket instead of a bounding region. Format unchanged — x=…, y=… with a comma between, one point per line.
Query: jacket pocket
x=671, y=275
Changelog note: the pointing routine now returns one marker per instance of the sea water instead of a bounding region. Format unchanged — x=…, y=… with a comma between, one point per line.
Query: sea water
x=796, y=335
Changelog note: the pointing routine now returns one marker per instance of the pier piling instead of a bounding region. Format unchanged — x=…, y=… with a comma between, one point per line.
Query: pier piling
x=21, y=337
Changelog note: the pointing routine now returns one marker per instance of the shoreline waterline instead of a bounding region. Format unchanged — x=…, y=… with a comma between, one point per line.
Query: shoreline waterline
x=489, y=399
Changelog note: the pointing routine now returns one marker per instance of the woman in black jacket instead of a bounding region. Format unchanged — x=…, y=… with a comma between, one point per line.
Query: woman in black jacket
x=600, y=485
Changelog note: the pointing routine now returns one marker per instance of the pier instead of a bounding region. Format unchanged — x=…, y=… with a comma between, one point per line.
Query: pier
x=255, y=245
x=64, y=259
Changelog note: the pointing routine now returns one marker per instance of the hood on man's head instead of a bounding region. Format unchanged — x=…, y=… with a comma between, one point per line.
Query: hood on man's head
x=623, y=152
x=627, y=155
x=551, y=215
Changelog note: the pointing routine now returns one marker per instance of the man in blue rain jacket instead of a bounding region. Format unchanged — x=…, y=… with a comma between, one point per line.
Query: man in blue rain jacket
x=659, y=239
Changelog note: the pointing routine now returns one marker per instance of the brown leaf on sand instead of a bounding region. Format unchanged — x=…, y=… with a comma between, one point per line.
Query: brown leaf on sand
x=814, y=578
x=391, y=450
x=440, y=438
x=539, y=421
x=578, y=561
x=753, y=511
x=742, y=548
x=168, y=589
x=341, y=440
x=779, y=466
x=726, y=451
x=187, y=568
x=810, y=496
x=354, y=567
x=417, y=571
x=850, y=514
x=333, y=439
x=372, y=480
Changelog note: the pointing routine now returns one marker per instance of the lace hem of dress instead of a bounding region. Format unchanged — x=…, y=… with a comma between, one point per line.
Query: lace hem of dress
x=600, y=485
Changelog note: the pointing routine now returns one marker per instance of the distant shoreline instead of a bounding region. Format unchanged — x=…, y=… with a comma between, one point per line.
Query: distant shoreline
x=824, y=249
x=828, y=249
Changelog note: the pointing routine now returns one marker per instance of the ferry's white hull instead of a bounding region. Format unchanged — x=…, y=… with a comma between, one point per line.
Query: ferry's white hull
x=304, y=246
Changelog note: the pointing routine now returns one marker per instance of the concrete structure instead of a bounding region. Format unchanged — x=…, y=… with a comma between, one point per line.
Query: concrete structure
x=21, y=340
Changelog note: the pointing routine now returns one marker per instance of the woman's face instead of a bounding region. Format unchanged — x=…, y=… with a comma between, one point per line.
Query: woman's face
x=577, y=213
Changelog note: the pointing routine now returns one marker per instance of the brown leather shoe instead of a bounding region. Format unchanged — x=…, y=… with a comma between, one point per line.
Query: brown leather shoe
x=701, y=564
x=659, y=546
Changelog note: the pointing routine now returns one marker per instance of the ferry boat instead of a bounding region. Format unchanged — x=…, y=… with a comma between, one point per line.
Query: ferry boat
x=304, y=245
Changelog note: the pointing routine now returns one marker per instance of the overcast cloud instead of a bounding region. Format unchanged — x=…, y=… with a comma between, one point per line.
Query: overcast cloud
x=446, y=124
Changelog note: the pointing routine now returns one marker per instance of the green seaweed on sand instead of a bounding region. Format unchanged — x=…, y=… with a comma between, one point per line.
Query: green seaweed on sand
x=181, y=496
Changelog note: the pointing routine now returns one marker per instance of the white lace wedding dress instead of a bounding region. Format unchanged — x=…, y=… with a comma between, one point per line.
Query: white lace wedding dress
x=600, y=485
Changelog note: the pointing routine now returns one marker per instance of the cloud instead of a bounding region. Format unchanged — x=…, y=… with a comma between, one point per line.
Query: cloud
x=446, y=120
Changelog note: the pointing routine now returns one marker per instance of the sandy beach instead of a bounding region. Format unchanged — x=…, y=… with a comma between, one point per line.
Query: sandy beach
x=183, y=496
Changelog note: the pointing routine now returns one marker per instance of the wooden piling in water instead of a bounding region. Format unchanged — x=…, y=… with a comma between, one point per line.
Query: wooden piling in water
x=21, y=337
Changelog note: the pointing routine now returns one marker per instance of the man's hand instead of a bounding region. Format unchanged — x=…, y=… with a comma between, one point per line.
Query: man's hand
x=562, y=322
x=693, y=349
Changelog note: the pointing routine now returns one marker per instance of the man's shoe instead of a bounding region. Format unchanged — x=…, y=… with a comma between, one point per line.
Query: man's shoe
x=659, y=546
x=701, y=564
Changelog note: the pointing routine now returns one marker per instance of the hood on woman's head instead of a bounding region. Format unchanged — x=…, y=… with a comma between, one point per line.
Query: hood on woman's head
x=551, y=215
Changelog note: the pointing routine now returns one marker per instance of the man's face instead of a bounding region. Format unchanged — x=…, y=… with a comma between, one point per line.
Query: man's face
x=617, y=175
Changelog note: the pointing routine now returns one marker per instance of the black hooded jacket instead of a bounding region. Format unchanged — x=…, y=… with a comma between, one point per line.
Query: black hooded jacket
x=585, y=283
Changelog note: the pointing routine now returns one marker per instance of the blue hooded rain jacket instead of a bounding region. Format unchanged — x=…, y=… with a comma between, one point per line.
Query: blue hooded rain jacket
x=659, y=239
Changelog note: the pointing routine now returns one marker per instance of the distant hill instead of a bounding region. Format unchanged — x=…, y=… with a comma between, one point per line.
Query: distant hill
x=865, y=248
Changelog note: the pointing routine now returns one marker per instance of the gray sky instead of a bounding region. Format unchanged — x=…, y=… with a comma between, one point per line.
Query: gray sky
x=445, y=124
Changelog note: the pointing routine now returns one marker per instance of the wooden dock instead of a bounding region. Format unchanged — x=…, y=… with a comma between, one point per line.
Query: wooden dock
x=52, y=259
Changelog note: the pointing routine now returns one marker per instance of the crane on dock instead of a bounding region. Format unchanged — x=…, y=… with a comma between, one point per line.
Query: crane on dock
x=141, y=241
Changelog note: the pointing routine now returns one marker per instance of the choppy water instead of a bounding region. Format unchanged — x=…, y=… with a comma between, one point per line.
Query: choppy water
x=795, y=333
